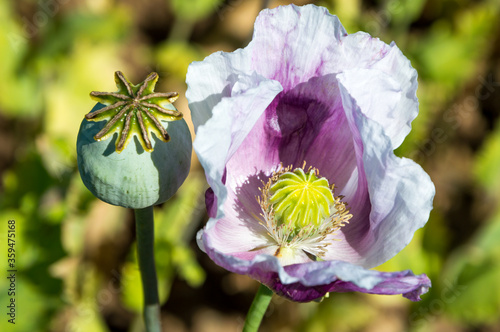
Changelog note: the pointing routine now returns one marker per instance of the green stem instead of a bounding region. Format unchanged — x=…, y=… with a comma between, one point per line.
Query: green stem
x=258, y=309
x=144, y=223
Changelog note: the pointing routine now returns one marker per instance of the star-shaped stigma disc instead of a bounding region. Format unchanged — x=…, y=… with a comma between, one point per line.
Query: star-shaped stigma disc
x=134, y=110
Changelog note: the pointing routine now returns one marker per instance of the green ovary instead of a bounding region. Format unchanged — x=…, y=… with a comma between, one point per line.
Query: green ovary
x=300, y=199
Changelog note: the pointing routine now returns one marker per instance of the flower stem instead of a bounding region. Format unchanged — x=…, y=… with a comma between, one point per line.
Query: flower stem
x=258, y=309
x=144, y=223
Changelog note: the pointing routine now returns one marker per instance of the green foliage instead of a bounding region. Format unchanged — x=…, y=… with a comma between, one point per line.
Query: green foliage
x=176, y=56
x=339, y=312
x=487, y=166
x=19, y=83
x=404, y=12
x=475, y=269
x=195, y=9
x=450, y=52
x=31, y=197
x=477, y=265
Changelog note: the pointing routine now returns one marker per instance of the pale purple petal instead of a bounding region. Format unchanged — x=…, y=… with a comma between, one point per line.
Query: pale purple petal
x=397, y=124
x=302, y=41
x=214, y=79
x=308, y=116
x=310, y=281
x=400, y=192
x=310, y=42
x=348, y=278
x=232, y=118
x=287, y=133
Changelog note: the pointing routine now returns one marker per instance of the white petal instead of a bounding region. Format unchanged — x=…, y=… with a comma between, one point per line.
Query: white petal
x=291, y=44
x=232, y=119
x=212, y=79
x=386, y=93
x=400, y=191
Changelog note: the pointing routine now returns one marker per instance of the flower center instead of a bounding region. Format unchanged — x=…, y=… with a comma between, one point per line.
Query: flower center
x=301, y=213
x=300, y=199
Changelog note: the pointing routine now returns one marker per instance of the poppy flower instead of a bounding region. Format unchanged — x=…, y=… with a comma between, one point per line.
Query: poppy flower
x=296, y=133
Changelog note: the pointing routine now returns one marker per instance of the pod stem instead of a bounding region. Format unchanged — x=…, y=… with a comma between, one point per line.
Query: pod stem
x=258, y=309
x=144, y=222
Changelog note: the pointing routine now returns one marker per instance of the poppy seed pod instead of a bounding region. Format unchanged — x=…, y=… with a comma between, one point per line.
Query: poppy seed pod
x=150, y=169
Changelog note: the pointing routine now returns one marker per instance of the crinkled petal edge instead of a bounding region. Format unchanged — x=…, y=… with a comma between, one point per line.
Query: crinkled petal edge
x=310, y=281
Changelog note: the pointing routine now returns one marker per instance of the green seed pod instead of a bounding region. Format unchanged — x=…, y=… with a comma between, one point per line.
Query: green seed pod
x=150, y=169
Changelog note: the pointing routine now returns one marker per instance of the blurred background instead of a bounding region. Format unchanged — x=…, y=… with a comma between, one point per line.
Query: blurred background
x=76, y=255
